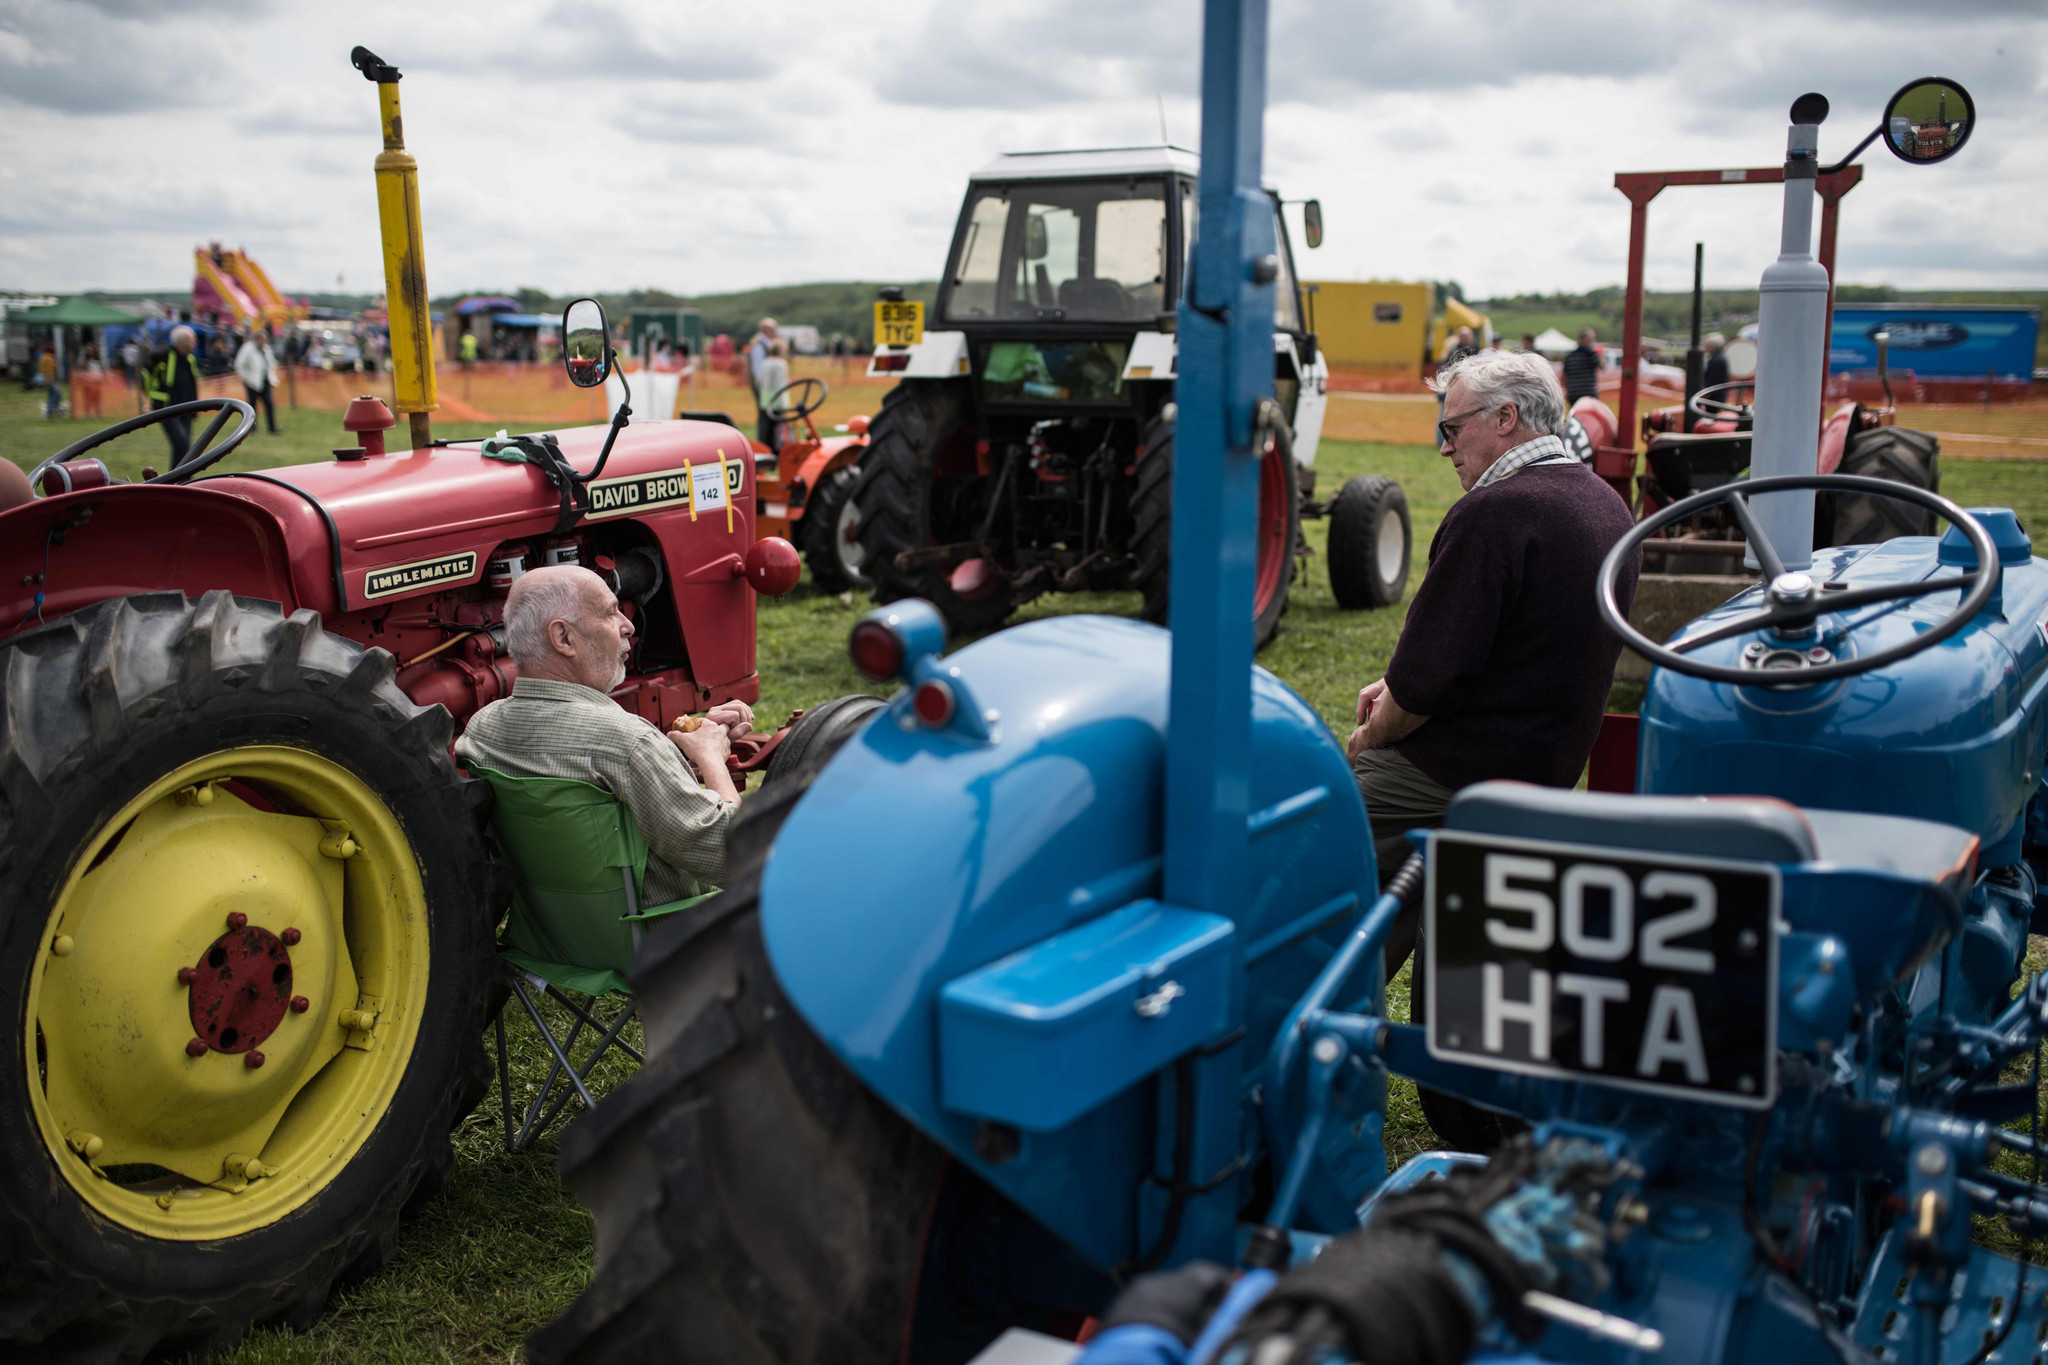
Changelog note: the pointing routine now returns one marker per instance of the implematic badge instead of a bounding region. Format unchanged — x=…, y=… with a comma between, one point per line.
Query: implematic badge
x=424, y=573
x=713, y=481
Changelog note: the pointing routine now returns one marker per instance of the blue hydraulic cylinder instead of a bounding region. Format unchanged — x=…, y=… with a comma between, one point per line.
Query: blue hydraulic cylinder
x=1225, y=372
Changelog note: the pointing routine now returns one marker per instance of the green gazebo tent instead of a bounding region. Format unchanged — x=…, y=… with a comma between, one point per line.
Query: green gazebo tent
x=76, y=311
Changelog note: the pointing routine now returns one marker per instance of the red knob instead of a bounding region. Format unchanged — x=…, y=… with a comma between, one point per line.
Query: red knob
x=187, y=975
x=290, y=936
x=252, y=1060
x=771, y=566
x=300, y=1004
x=196, y=1048
x=237, y=920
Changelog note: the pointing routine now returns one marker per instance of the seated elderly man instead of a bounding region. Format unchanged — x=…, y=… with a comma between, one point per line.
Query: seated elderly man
x=564, y=629
x=1503, y=667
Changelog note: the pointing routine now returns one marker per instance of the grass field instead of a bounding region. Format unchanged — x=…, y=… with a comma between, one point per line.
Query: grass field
x=505, y=1247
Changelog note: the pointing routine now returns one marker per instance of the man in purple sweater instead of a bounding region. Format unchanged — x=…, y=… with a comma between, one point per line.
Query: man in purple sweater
x=1503, y=667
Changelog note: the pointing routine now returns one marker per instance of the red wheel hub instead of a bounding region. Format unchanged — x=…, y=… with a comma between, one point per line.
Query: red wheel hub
x=1276, y=553
x=241, y=989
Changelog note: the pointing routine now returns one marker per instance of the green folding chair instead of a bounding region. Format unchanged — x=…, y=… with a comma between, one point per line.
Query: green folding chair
x=578, y=861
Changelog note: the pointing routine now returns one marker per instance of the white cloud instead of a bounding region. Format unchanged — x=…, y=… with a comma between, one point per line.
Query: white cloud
x=622, y=143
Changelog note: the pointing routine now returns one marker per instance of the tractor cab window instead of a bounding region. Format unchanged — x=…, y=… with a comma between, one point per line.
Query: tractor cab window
x=1082, y=251
x=1286, y=298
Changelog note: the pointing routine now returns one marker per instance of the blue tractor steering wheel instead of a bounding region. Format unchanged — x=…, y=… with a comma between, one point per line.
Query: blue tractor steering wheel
x=1793, y=601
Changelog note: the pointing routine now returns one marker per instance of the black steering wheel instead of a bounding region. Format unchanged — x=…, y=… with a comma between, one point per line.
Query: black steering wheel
x=197, y=457
x=1712, y=405
x=805, y=404
x=1793, y=600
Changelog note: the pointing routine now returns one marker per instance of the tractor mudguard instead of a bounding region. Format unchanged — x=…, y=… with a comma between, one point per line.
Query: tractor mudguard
x=145, y=538
x=919, y=856
x=1955, y=734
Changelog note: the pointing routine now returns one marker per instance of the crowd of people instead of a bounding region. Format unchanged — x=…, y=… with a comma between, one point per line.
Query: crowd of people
x=1581, y=367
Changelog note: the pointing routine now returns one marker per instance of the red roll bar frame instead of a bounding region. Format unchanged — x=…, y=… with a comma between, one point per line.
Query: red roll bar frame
x=1617, y=463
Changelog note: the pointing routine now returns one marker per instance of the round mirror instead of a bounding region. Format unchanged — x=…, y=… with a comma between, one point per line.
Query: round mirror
x=1312, y=223
x=1929, y=121
x=586, y=352
x=1741, y=354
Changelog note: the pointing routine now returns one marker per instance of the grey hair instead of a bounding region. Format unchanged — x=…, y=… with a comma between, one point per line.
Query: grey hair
x=537, y=598
x=1495, y=378
x=184, y=331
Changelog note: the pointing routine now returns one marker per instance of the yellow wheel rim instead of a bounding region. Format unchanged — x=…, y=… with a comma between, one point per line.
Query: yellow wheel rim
x=247, y=878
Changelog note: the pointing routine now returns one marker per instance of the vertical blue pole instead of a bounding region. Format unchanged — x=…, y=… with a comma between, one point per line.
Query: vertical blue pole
x=1225, y=368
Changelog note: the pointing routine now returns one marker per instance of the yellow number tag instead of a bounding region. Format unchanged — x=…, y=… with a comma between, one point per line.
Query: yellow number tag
x=899, y=324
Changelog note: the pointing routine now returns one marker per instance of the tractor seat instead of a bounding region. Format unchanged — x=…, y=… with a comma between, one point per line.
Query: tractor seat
x=1684, y=464
x=1758, y=829
x=1095, y=298
x=1753, y=828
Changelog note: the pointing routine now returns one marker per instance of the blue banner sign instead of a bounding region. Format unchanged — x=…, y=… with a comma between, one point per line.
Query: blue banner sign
x=1937, y=339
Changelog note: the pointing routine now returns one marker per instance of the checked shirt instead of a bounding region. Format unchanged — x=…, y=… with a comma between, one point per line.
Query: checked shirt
x=559, y=729
x=1541, y=450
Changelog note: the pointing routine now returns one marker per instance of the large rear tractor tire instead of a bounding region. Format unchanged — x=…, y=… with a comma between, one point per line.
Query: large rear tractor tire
x=1897, y=455
x=1369, y=544
x=755, y=1204
x=919, y=488
x=1279, y=530
x=831, y=533
x=245, y=944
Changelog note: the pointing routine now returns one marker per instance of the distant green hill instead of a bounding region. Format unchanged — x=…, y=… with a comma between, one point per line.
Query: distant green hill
x=844, y=307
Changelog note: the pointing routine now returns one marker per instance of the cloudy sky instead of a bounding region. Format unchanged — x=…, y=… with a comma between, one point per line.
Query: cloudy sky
x=609, y=144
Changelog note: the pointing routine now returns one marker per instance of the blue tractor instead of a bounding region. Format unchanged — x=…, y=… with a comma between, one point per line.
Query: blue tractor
x=1064, y=965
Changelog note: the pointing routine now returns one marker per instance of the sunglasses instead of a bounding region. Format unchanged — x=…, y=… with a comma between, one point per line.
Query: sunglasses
x=1447, y=429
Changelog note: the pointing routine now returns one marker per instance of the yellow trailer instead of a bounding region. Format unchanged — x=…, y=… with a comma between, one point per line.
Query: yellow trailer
x=1378, y=323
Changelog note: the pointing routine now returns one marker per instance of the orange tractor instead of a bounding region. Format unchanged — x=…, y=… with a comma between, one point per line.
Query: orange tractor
x=803, y=489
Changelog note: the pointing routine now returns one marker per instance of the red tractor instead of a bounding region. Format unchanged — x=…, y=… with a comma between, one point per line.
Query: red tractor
x=246, y=913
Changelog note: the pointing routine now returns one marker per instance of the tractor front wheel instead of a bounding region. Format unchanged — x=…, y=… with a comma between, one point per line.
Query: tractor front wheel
x=1279, y=530
x=1369, y=549
x=831, y=533
x=244, y=953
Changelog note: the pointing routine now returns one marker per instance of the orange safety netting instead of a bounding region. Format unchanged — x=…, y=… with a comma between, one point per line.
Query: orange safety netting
x=523, y=393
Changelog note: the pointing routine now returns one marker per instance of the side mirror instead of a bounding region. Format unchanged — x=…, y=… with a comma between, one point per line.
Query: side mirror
x=1929, y=120
x=1035, y=240
x=1312, y=223
x=586, y=343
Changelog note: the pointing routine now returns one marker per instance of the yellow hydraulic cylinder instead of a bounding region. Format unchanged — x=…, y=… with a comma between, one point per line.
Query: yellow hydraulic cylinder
x=405, y=261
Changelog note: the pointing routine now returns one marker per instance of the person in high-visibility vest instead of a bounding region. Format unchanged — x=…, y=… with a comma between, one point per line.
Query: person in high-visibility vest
x=170, y=378
x=467, y=349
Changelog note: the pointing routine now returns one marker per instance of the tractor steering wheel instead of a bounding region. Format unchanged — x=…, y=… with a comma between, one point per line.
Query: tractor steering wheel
x=1710, y=404
x=805, y=403
x=1793, y=600
x=197, y=458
